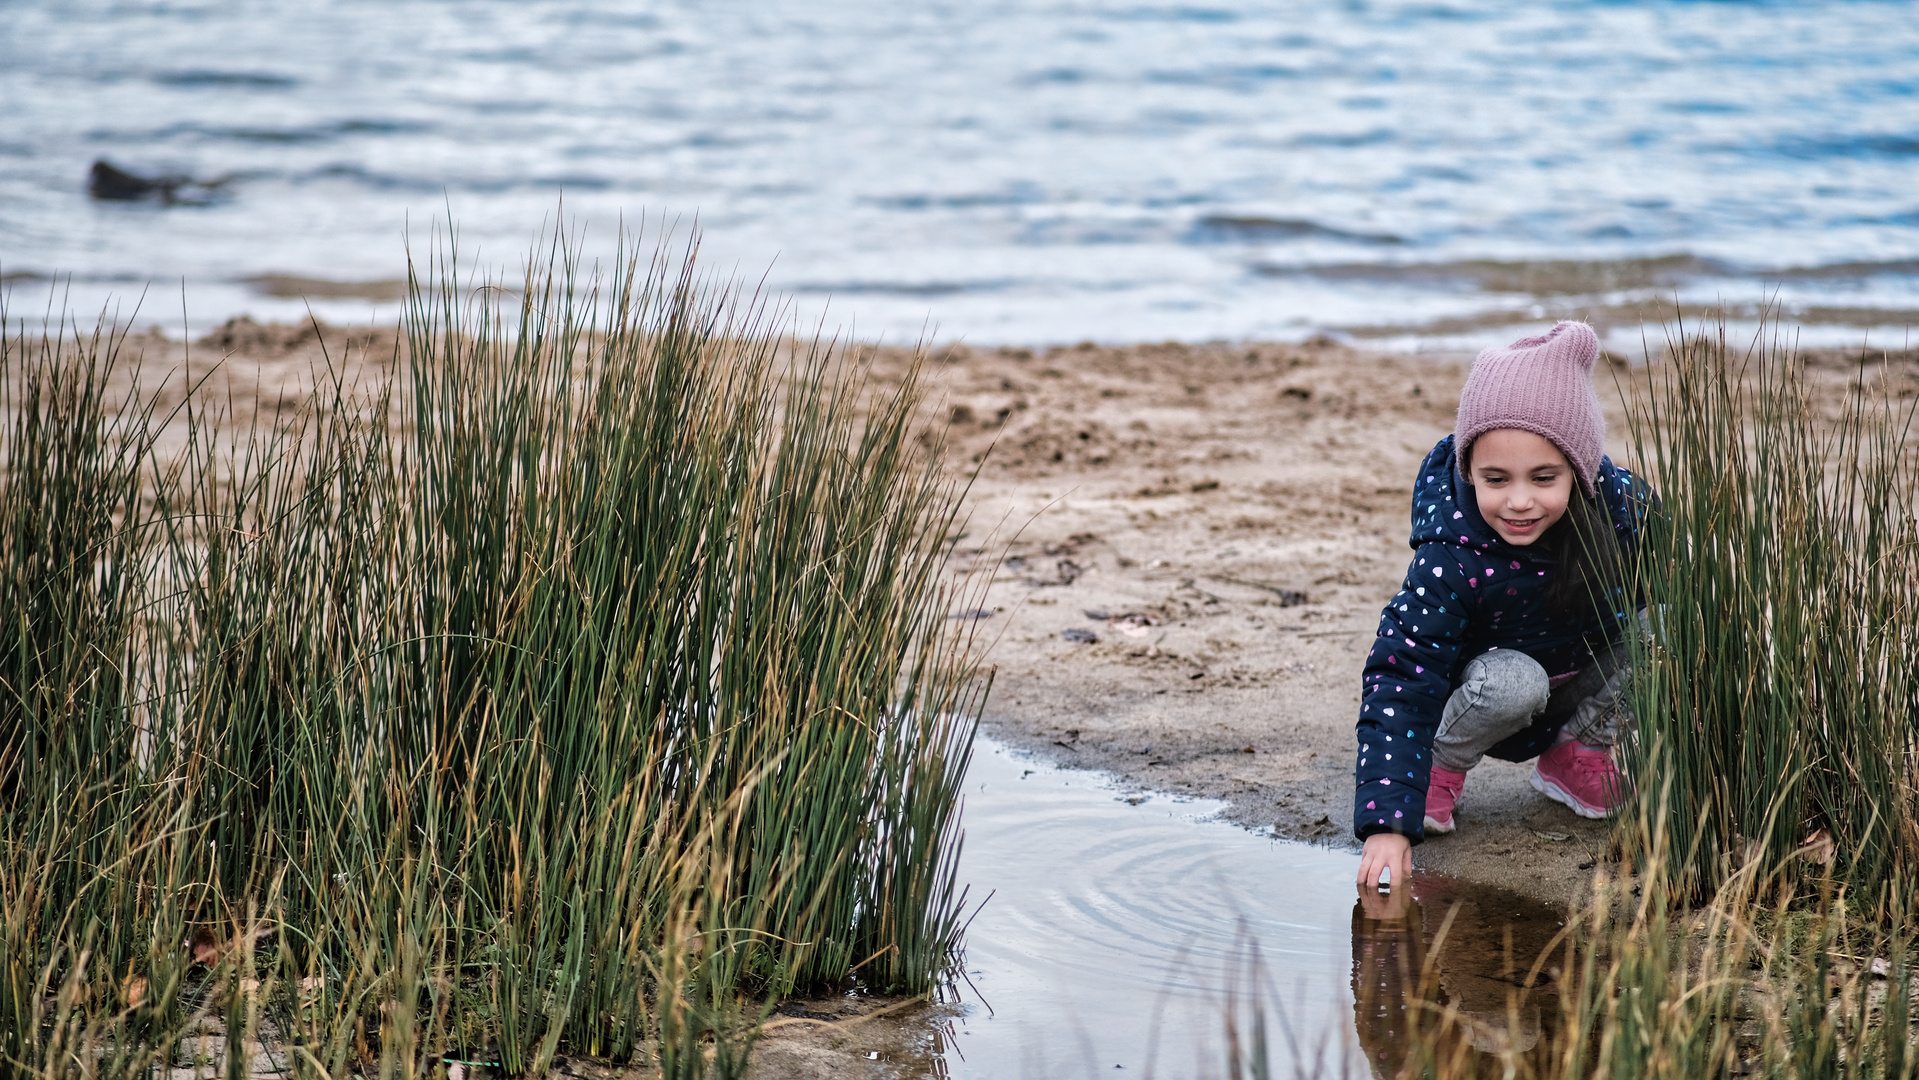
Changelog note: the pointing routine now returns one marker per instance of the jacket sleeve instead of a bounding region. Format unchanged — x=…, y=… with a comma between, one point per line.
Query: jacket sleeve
x=1407, y=679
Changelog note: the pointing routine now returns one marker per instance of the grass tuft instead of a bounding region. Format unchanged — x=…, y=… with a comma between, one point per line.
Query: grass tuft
x=573, y=690
x=1777, y=695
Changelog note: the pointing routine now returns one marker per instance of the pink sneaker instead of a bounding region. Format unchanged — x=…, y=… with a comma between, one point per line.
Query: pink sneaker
x=1583, y=778
x=1442, y=794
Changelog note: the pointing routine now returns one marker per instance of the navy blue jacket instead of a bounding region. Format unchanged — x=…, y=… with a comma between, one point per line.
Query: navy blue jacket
x=1467, y=592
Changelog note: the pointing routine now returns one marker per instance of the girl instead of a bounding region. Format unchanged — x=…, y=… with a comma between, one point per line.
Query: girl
x=1507, y=637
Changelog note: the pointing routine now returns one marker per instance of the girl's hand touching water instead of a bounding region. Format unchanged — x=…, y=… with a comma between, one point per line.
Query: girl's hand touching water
x=1386, y=851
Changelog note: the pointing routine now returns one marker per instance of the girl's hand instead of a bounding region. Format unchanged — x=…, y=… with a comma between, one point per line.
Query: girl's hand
x=1386, y=851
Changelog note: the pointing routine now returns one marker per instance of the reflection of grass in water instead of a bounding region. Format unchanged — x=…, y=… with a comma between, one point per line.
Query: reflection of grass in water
x=582, y=680
x=1760, y=980
x=1727, y=989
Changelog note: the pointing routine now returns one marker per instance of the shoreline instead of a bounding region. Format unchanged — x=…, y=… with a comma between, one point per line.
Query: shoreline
x=1635, y=303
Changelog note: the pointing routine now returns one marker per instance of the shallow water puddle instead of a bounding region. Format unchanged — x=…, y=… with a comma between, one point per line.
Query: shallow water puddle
x=1117, y=924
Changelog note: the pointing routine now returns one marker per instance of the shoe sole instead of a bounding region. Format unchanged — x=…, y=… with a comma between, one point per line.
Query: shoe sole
x=1433, y=826
x=1561, y=795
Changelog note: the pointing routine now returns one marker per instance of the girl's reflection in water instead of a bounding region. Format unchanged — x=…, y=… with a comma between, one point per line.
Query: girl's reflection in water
x=1443, y=979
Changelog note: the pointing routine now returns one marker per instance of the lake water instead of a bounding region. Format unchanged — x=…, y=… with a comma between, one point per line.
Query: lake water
x=1032, y=172
x=1113, y=927
x=1123, y=929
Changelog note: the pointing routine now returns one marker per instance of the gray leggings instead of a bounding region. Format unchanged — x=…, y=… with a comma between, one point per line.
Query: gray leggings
x=1503, y=692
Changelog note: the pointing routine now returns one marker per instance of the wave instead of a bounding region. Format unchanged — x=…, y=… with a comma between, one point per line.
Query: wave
x=904, y=288
x=194, y=78
x=1648, y=313
x=1849, y=146
x=1583, y=277
x=311, y=133
x=1266, y=229
x=1022, y=194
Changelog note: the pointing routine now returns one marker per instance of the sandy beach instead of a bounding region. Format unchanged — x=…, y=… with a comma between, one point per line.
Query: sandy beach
x=1188, y=547
x=1174, y=557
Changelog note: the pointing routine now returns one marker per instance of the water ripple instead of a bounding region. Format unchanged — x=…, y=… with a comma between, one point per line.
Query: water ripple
x=1096, y=151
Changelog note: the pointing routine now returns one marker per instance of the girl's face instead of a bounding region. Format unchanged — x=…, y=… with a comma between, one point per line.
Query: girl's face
x=1522, y=482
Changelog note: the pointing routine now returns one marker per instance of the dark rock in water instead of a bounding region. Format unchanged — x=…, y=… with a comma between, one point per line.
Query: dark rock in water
x=107, y=182
x=111, y=183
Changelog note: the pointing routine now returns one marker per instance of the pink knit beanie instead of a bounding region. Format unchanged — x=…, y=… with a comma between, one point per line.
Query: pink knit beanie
x=1543, y=385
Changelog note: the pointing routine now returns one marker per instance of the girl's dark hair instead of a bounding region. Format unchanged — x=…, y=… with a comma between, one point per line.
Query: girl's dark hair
x=1590, y=558
x=1589, y=563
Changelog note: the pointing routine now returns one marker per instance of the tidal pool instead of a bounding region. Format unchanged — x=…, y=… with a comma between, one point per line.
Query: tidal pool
x=1121, y=928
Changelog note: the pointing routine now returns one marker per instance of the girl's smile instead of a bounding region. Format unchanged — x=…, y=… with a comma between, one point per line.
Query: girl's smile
x=1522, y=483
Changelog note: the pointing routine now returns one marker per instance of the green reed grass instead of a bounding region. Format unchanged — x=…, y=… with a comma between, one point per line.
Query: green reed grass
x=573, y=688
x=1777, y=695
